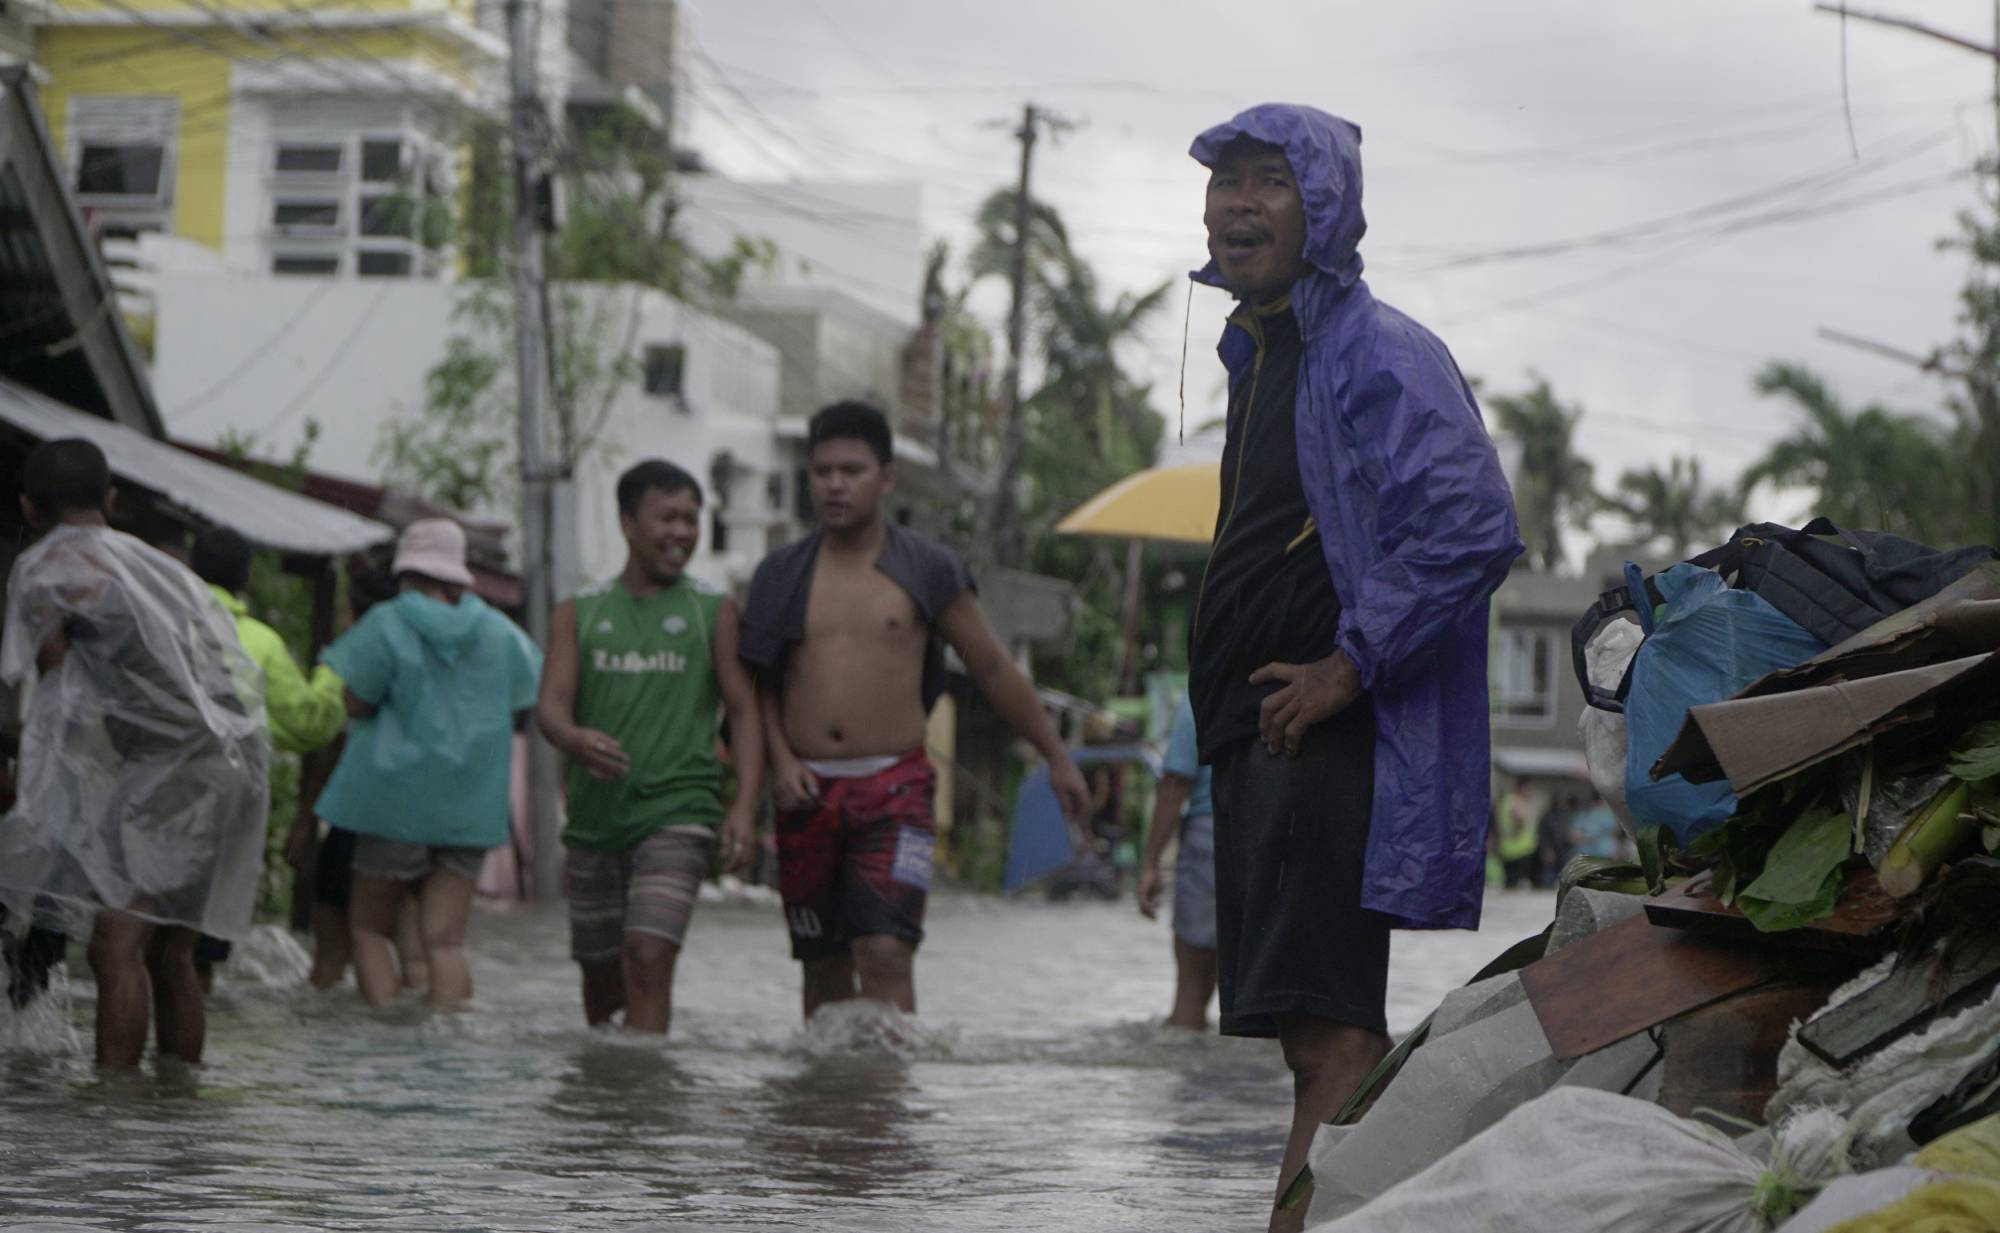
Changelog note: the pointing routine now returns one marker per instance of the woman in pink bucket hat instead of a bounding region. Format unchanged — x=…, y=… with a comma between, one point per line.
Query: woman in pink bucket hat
x=434, y=679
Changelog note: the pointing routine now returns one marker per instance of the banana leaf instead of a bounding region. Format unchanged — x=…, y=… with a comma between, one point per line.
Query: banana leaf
x=1802, y=874
x=1977, y=755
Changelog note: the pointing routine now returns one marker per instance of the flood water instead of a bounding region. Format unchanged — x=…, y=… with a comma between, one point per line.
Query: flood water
x=1032, y=1092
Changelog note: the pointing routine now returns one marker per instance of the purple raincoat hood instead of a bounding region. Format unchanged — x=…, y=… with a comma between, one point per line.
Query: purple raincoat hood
x=1325, y=153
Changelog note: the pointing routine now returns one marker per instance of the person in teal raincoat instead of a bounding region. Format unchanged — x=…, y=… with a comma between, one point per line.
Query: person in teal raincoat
x=434, y=679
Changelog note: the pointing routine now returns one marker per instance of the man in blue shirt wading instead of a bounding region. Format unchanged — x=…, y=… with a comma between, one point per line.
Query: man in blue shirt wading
x=1338, y=655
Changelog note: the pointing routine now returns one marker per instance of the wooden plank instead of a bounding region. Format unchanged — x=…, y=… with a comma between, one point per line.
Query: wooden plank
x=1633, y=976
x=1907, y=999
x=1861, y=923
x=1724, y=1056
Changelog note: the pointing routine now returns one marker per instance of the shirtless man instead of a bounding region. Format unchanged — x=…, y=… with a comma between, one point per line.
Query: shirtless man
x=845, y=629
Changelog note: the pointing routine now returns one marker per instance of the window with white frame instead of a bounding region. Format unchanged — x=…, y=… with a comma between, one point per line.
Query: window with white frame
x=122, y=160
x=373, y=205
x=1524, y=681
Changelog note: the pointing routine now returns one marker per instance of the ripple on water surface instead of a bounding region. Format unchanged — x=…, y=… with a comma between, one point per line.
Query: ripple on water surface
x=1035, y=1090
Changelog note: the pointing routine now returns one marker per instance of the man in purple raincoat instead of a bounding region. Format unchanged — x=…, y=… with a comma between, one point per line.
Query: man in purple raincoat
x=1339, y=646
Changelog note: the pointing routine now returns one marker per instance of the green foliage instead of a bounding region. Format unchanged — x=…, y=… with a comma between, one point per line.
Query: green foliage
x=618, y=229
x=1969, y=500
x=1088, y=425
x=1782, y=858
x=1802, y=875
x=456, y=450
x=1870, y=467
x=1553, y=487
x=723, y=276
x=1672, y=509
x=1976, y=757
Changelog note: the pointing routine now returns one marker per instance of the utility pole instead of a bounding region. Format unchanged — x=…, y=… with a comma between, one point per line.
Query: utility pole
x=1915, y=27
x=1010, y=537
x=531, y=384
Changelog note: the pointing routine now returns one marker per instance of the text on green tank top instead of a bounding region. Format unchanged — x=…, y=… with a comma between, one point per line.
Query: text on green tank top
x=646, y=676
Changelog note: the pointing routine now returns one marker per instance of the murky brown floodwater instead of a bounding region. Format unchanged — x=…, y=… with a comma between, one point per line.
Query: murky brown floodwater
x=1032, y=1093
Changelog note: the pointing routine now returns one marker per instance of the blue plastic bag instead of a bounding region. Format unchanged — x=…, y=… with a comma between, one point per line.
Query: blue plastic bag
x=1708, y=642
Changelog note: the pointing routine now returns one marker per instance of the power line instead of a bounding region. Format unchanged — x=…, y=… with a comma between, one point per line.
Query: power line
x=1665, y=225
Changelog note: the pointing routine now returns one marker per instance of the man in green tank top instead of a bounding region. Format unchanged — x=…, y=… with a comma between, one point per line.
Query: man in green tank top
x=639, y=669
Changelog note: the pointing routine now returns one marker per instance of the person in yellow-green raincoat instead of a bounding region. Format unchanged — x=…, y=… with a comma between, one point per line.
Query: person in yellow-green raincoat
x=304, y=713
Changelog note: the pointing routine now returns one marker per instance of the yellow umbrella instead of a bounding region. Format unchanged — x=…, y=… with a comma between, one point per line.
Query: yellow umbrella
x=1177, y=504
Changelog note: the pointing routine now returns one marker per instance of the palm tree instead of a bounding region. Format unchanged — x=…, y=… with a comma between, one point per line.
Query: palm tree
x=1046, y=244
x=992, y=253
x=1554, y=486
x=1672, y=508
x=1080, y=339
x=1868, y=468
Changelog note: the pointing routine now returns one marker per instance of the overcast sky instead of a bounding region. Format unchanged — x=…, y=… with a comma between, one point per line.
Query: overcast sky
x=1642, y=202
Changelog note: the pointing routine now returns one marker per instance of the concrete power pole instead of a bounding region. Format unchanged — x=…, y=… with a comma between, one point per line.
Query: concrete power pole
x=531, y=383
x=1009, y=536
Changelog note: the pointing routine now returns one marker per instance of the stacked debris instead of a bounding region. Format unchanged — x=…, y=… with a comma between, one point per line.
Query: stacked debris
x=1787, y=1016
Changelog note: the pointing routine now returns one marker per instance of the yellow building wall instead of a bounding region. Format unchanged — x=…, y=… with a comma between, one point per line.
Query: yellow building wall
x=150, y=63
x=192, y=66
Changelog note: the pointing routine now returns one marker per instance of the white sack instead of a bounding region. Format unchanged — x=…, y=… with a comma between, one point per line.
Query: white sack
x=1579, y=1161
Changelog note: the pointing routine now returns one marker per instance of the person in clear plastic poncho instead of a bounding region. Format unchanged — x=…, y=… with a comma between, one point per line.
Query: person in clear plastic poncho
x=143, y=788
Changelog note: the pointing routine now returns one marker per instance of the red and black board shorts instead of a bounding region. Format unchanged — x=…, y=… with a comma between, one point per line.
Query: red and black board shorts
x=858, y=861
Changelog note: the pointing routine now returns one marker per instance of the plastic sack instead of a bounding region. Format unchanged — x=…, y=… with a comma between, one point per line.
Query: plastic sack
x=1956, y=1205
x=1847, y=1197
x=144, y=753
x=1581, y=1161
x=1883, y=1092
x=1609, y=652
x=1972, y=1150
x=1711, y=642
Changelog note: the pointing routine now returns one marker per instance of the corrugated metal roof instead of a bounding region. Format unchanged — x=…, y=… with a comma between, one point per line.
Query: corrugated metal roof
x=266, y=515
x=59, y=314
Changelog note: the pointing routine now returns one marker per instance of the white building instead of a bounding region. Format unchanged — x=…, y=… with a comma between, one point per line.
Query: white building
x=255, y=357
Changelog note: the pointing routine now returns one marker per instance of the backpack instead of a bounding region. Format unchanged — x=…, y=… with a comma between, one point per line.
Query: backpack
x=1831, y=582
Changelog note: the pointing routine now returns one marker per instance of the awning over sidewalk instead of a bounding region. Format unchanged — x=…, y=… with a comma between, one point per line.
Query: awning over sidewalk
x=266, y=515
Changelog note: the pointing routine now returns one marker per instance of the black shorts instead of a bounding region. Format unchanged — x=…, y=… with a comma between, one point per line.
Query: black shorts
x=1291, y=838
x=333, y=876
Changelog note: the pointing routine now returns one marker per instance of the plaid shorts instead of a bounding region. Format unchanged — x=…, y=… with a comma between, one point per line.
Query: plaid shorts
x=648, y=888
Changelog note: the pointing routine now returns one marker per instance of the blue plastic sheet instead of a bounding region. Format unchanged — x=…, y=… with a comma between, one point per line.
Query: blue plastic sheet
x=1709, y=642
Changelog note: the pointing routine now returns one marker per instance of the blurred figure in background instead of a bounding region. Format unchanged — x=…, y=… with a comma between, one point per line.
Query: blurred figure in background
x=303, y=714
x=329, y=860
x=1181, y=807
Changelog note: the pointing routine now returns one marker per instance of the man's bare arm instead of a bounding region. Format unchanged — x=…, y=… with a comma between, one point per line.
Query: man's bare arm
x=792, y=785
x=1168, y=798
x=555, y=703
x=746, y=740
x=1013, y=695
